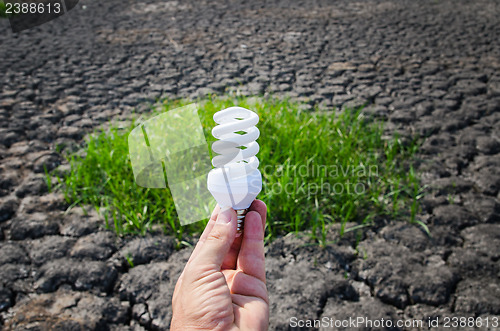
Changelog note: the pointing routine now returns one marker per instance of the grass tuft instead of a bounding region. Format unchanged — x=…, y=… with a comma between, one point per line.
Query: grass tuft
x=3, y=10
x=318, y=168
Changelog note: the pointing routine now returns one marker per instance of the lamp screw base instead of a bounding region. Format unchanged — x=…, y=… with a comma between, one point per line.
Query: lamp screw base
x=241, y=213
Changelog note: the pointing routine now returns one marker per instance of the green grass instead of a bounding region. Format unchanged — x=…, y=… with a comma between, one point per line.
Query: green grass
x=319, y=168
x=3, y=9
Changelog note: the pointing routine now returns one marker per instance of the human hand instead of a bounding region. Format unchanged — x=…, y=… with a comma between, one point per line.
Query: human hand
x=223, y=285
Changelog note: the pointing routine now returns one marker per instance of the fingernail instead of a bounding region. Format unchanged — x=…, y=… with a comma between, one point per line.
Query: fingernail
x=224, y=215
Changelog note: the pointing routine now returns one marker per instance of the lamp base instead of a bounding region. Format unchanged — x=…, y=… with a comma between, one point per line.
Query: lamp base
x=240, y=213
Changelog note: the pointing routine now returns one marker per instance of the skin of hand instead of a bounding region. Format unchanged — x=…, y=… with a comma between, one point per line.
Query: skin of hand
x=223, y=285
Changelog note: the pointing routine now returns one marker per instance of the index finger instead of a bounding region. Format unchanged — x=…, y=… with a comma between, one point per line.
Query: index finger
x=251, y=258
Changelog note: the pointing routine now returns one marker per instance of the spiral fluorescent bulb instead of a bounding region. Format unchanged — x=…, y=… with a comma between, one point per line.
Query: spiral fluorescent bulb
x=235, y=181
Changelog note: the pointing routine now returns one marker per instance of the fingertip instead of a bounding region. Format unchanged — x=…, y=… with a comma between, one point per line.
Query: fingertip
x=216, y=211
x=253, y=214
x=226, y=215
x=226, y=224
x=260, y=207
x=220, y=238
x=254, y=227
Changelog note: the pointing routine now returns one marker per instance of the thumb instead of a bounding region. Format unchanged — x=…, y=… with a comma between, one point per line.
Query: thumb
x=219, y=240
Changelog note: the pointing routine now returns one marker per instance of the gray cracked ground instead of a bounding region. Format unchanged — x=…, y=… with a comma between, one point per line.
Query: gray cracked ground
x=427, y=67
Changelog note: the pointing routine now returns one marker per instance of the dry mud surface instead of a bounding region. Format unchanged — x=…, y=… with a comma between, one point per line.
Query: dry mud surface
x=427, y=67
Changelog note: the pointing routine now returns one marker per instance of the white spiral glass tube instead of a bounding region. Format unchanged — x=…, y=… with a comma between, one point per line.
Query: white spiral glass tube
x=236, y=180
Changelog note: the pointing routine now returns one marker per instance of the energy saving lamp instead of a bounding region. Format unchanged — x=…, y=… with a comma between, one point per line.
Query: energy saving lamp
x=235, y=181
